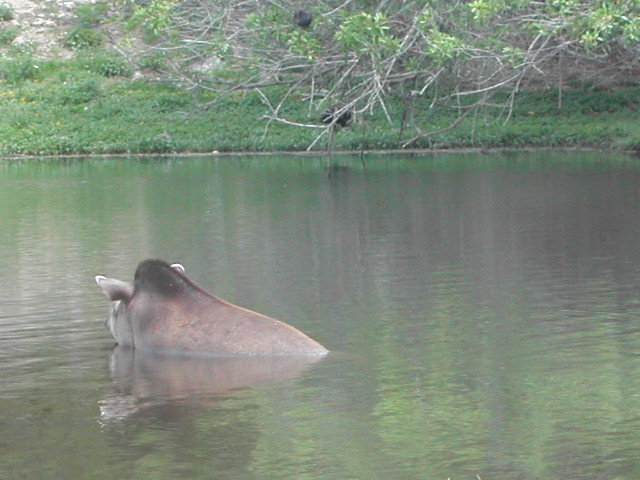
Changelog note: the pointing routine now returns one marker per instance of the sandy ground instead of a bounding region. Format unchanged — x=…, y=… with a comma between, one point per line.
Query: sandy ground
x=43, y=23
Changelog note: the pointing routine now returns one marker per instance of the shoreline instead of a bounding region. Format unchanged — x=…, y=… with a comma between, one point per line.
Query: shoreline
x=68, y=112
x=304, y=153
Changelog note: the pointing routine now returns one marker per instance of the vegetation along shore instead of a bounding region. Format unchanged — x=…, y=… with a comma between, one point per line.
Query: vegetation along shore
x=130, y=77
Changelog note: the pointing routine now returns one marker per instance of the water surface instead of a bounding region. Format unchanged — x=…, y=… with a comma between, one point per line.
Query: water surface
x=482, y=313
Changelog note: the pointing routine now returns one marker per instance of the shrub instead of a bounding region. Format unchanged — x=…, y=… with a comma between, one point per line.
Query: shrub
x=18, y=65
x=6, y=12
x=81, y=37
x=172, y=101
x=8, y=34
x=161, y=143
x=153, y=61
x=84, y=33
x=91, y=14
x=107, y=64
x=80, y=91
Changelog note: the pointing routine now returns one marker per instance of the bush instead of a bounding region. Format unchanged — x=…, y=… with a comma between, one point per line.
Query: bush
x=6, y=12
x=8, y=34
x=161, y=143
x=80, y=91
x=107, y=64
x=153, y=61
x=18, y=65
x=85, y=34
x=81, y=37
x=91, y=14
x=172, y=101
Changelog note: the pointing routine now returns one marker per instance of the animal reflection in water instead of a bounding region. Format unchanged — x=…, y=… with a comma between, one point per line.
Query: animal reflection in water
x=148, y=383
x=164, y=311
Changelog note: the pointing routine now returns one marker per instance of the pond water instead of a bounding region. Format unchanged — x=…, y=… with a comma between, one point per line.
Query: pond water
x=482, y=312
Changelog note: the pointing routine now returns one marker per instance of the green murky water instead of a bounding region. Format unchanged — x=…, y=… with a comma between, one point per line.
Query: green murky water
x=483, y=314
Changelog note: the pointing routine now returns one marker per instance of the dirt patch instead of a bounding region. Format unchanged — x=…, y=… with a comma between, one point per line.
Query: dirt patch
x=43, y=23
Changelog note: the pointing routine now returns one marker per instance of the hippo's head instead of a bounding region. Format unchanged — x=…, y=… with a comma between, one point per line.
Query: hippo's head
x=121, y=293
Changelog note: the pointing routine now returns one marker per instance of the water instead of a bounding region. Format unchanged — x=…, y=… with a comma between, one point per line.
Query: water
x=482, y=313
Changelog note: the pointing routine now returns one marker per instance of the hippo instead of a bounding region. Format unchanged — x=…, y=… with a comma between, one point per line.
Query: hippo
x=164, y=311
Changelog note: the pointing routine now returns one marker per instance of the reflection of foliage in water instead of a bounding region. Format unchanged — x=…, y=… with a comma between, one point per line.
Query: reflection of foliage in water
x=481, y=311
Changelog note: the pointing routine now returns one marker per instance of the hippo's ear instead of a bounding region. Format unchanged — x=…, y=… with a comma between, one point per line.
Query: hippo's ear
x=115, y=289
x=178, y=266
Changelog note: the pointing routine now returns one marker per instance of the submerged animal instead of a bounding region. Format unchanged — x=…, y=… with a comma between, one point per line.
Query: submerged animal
x=163, y=310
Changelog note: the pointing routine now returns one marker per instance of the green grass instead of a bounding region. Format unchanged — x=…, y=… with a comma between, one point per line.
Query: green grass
x=89, y=105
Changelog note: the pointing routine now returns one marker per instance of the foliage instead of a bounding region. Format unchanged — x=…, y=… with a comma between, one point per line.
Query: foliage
x=66, y=107
x=6, y=12
x=85, y=32
x=17, y=64
x=81, y=37
x=8, y=34
x=418, y=74
x=401, y=62
x=154, y=16
x=81, y=90
x=304, y=44
x=106, y=62
x=153, y=61
x=366, y=33
x=353, y=57
x=91, y=14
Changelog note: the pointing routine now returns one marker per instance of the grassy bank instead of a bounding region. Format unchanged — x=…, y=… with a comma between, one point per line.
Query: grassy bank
x=90, y=105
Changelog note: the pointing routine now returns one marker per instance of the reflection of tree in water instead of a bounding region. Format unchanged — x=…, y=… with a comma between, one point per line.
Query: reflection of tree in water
x=174, y=438
x=467, y=271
